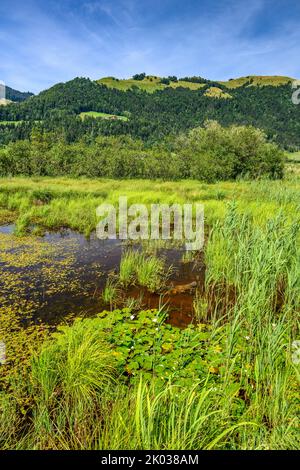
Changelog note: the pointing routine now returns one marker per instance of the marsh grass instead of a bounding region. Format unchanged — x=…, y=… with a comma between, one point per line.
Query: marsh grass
x=71, y=379
x=258, y=261
x=147, y=271
x=78, y=363
x=137, y=418
x=128, y=265
x=111, y=292
x=263, y=264
x=10, y=421
x=72, y=202
x=133, y=304
x=22, y=225
x=188, y=256
x=150, y=272
x=200, y=307
x=171, y=419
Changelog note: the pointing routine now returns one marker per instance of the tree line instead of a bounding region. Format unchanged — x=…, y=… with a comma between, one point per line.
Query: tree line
x=209, y=153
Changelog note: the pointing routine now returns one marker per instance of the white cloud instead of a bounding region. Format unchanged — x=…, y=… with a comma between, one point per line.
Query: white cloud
x=40, y=47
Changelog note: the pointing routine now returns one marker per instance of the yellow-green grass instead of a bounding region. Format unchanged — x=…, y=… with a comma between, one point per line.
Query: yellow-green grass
x=293, y=156
x=215, y=92
x=149, y=84
x=257, y=80
x=72, y=202
x=152, y=83
x=16, y=123
x=96, y=115
x=4, y=102
x=147, y=271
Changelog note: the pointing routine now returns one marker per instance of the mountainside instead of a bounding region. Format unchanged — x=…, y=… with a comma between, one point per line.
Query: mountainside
x=17, y=96
x=155, y=108
x=258, y=80
x=153, y=83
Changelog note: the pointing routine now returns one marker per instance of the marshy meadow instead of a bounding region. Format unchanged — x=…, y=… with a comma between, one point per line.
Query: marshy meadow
x=143, y=345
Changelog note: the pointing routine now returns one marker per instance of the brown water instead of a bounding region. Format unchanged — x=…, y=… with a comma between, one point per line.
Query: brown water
x=63, y=274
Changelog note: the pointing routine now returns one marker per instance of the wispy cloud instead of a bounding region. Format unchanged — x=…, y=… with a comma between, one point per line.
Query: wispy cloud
x=50, y=41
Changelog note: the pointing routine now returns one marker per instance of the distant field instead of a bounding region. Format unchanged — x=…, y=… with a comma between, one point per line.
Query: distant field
x=4, y=102
x=150, y=84
x=16, y=123
x=293, y=157
x=215, y=92
x=96, y=115
x=257, y=81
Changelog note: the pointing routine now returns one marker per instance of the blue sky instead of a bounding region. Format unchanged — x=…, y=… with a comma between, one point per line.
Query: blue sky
x=49, y=41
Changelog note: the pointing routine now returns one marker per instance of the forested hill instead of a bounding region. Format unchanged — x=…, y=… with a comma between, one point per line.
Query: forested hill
x=17, y=96
x=173, y=106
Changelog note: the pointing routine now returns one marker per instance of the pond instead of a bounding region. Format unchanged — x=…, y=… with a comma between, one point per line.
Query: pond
x=62, y=274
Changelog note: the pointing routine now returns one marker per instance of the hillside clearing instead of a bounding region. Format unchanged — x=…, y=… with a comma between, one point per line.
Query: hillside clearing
x=150, y=84
x=215, y=92
x=257, y=80
x=96, y=115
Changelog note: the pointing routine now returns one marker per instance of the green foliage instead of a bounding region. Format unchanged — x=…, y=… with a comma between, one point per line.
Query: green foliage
x=200, y=388
x=16, y=96
x=210, y=153
x=194, y=79
x=215, y=153
x=139, y=76
x=145, y=344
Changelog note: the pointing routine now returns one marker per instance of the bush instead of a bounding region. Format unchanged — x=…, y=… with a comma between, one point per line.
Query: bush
x=216, y=153
x=139, y=76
